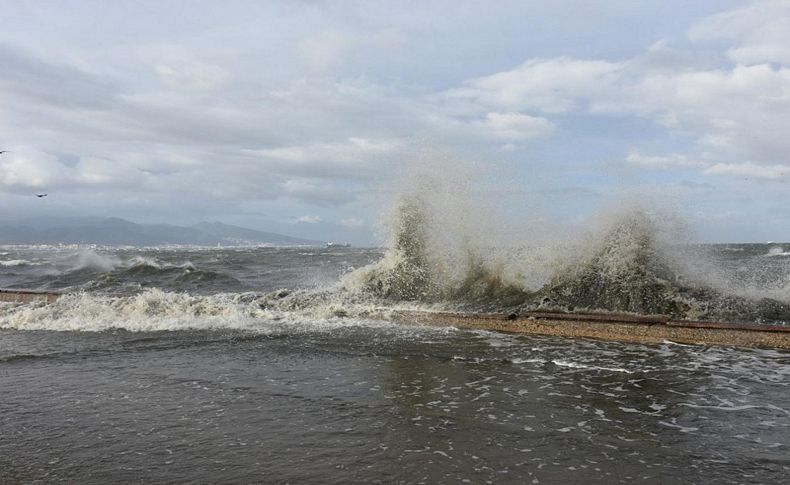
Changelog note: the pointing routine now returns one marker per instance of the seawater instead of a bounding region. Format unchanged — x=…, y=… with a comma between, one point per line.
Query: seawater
x=263, y=365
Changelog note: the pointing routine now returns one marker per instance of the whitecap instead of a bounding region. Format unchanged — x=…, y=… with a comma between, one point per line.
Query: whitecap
x=17, y=262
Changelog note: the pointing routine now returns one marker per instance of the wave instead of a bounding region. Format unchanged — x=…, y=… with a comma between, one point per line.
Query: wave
x=147, y=311
x=88, y=260
x=417, y=267
x=632, y=266
x=777, y=252
x=149, y=273
x=18, y=262
x=92, y=271
x=147, y=261
x=158, y=310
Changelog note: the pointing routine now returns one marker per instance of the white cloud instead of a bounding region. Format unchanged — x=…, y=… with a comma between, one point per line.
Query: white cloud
x=317, y=192
x=192, y=76
x=353, y=150
x=30, y=169
x=352, y=222
x=760, y=32
x=307, y=220
x=516, y=126
x=27, y=168
x=324, y=50
x=353, y=158
x=549, y=85
x=110, y=173
x=736, y=113
x=750, y=170
x=182, y=69
x=674, y=160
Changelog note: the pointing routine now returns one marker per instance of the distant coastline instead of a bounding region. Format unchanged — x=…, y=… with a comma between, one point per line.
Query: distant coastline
x=117, y=232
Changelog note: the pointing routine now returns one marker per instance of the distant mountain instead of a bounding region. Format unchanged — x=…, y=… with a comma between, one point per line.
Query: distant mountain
x=116, y=231
x=243, y=236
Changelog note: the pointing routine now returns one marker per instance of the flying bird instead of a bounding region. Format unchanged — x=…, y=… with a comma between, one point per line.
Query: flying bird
x=41, y=195
x=3, y=151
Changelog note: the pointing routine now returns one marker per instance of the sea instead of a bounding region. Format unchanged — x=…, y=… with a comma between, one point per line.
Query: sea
x=280, y=365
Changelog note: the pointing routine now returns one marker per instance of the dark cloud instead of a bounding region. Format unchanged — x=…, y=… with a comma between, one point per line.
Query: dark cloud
x=56, y=84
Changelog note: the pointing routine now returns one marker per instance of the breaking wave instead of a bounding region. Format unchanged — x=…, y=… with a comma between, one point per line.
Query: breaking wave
x=88, y=270
x=150, y=310
x=418, y=268
x=777, y=252
x=87, y=260
x=637, y=262
x=632, y=270
x=17, y=262
x=147, y=272
x=158, y=310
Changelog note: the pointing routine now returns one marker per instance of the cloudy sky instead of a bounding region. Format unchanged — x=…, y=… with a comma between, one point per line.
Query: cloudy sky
x=301, y=116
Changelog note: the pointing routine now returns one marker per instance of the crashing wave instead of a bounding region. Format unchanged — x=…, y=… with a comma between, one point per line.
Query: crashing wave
x=777, y=252
x=17, y=262
x=417, y=268
x=630, y=269
x=158, y=310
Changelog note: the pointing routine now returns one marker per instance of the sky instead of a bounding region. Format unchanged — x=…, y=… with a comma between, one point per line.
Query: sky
x=304, y=117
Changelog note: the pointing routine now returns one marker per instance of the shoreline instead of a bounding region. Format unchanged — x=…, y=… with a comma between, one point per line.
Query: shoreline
x=649, y=329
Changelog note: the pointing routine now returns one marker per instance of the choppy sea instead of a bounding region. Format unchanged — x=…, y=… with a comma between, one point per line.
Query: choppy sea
x=243, y=365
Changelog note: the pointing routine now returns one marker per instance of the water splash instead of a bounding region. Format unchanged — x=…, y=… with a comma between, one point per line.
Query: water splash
x=627, y=270
x=638, y=262
x=88, y=260
x=421, y=267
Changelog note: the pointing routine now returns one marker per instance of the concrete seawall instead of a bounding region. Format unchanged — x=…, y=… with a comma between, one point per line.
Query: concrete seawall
x=622, y=328
x=26, y=296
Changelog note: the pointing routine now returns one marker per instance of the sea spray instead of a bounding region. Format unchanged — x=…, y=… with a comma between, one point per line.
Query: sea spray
x=406, y=272
x=417, y=267
x=635, y=268
x=89, y=260
x=639, y=262
x=627, y=270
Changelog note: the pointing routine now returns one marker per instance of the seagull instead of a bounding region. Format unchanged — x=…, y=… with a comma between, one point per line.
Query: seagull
x=3, y=151
x=41, y=195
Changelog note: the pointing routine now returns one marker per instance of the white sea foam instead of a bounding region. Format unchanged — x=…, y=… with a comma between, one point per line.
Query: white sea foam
x=577, y=365
x=17, y=262
x=157, y=310
x=777, y=252
x=152, y=262
x=144, y=261
x=744, y=407
x=89, y=259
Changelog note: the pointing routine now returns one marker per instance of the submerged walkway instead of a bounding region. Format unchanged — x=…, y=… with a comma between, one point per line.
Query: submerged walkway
x=619, y=327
